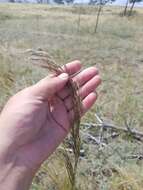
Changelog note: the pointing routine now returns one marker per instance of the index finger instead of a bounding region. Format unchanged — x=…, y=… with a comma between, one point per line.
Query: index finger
x=72, y=67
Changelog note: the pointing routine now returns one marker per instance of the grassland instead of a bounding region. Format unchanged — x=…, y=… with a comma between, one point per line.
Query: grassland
x=116, y=49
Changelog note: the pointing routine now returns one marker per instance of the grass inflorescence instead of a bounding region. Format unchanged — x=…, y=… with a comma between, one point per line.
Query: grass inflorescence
x=43, y=59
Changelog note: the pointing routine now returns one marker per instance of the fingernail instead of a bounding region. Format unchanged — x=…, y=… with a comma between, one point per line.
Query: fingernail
x=63, y=76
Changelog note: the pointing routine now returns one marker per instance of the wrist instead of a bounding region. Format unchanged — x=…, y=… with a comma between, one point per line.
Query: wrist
x=13, y=175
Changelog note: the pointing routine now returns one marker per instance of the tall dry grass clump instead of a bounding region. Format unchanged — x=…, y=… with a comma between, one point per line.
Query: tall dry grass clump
x=44, y=60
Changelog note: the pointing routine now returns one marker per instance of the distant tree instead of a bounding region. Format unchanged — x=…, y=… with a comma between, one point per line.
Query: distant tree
x=101, y=4
x=69, y=1
x=39, y=1
x=127, y=12
x=64, y=1
x=132, y=6
x=98, y=15
x=125, y=9
x=59, y=1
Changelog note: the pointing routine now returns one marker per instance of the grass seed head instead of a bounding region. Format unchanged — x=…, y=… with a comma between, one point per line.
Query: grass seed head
x=44, y=60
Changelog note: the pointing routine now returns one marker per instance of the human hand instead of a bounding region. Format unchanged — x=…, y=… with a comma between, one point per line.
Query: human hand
x=37, y=119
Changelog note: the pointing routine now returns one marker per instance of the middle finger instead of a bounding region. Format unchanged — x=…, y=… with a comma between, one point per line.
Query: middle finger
x=81, y=78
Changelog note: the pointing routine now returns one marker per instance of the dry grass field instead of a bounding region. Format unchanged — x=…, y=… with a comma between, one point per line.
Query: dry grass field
x=116, y=49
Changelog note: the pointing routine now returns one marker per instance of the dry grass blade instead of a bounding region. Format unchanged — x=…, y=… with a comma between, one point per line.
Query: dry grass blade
x=43, y=59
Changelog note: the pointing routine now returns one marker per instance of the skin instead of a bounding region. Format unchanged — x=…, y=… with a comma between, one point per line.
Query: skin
x=36, y=120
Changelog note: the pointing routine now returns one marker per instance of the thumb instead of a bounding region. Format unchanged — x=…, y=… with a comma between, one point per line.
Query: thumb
x=48, y=86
